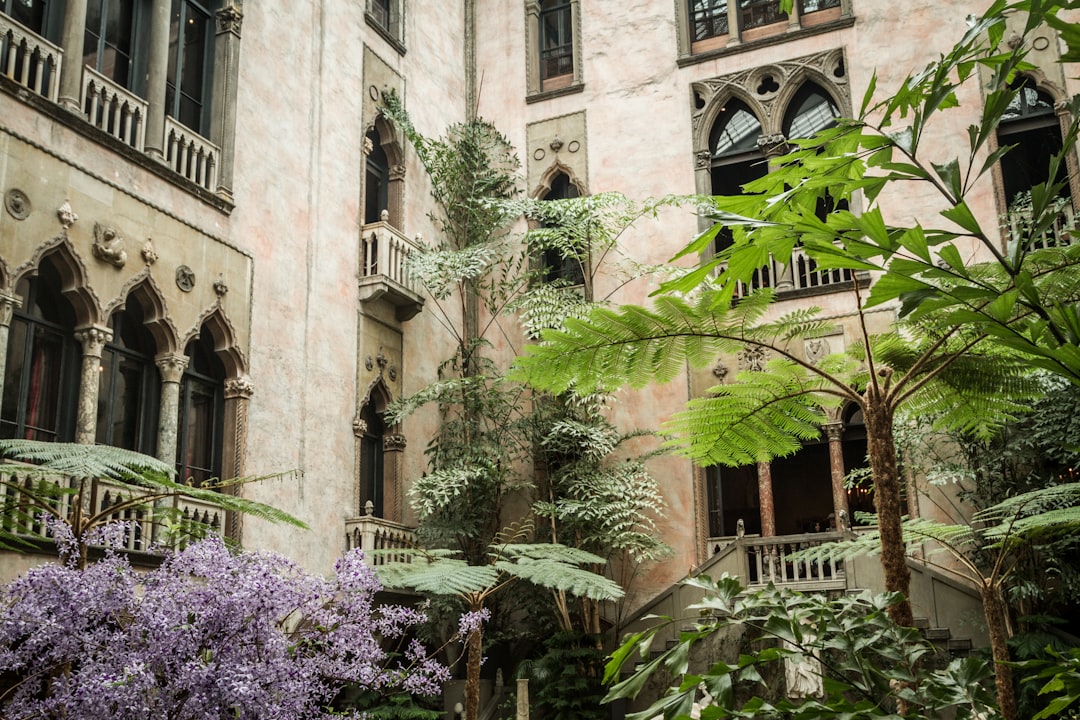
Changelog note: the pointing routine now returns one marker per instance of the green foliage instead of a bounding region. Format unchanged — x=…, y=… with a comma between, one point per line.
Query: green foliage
x=1060, y=681
x=869, y=667
x=565, y=680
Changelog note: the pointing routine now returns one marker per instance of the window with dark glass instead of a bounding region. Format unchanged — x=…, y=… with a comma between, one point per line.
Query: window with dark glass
x=736, y=158
x=810, y=6
x=188, y=84
x=130, y=385
x=556, y=265
x=202, y=414
x=732, y=495
x=1031, y=126
x=556, y=39
x=31, y=14
x=384, y=14
x=376, y=179
x=371, y=460
x=810, y=111
x=109, y=46
x=708, y=18
x=42, y=373
x=758, y=13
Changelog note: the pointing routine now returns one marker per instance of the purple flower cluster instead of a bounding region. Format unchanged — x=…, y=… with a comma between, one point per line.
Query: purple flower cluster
x=209, y=634
x=470, y=622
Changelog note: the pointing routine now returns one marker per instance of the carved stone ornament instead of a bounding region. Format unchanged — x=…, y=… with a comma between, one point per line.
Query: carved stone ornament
x=720, y=370
x=185, y=278
x=359, y=426
x=66, y=215
x=171, y=366
x=702, y=159
x=17, y=204
x=369, y=363
x=368, y=146
x=539, y=154
x=93, y=339
x=573, y=146
x=394, y=442
x=241, y=386
x=392, y=372
x=149, y=254
x=229, y=19
x=382, y=361
x=772, y=145
x=220, y=288
x=753, y=358
x=556, y=144
x=108, y=246
x=816, y=349
x=397, y=172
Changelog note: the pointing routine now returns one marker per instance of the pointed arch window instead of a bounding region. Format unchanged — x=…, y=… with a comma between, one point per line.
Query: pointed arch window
x=200, y=430
x=1030, y=124
x=372, y=461
x=556, y=265
x=376, y=178
x=42, y=372
x=128, y=394
x=735, y=156
x=810, y=111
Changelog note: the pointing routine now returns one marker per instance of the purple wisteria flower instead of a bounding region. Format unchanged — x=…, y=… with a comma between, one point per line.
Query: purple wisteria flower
x=209, y=634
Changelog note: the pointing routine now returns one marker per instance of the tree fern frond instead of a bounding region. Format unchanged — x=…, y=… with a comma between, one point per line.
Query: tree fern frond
x=72, y=459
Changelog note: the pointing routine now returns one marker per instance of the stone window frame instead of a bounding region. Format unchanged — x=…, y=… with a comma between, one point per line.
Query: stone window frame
x=393, y=29
x=392, y=147
x=541, y=192
x=691, y=52
x=536, y=88
x=379, y=395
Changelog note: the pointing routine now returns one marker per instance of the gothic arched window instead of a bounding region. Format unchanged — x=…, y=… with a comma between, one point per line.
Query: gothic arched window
x=1030, y=124
x=130, y=385
x=735, y=156
x=200, y=429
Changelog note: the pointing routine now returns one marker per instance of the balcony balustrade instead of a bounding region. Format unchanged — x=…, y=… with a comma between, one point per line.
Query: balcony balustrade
x=113, y=109
x=373, y=533
x=191, y=155
x=1060, y=233
x=384, y=273
x=802, y=274
x=29, y=59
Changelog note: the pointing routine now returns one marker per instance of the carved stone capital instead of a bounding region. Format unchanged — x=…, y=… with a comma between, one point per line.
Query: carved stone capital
x=702, y=159
x=93, y=339
x=397, y=172
x=772, y=145
x=229, y=20
x=240, y=387
x=8, y=303
x=359, y=426
x=834, y=431
x=172, y=366
x=394, y=443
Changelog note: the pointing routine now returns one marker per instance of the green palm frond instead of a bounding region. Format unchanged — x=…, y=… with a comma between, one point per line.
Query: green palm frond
x=98, y=461
x=435, y=575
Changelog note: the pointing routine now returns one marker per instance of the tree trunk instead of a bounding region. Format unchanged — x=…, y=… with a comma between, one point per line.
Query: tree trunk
x=474, y=649
x=994, y=609
x=886, y=473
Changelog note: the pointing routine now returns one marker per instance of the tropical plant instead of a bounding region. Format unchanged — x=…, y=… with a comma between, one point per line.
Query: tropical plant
x=511, y=557
x=837, y=658
x=208, y=634
x=59, y=480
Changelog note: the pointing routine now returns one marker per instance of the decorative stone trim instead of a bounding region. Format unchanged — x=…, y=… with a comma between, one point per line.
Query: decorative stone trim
x=239, y=387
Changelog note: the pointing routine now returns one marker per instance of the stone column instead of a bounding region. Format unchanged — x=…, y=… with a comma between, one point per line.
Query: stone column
x=835, y=432
x=765, y=497
x=393, y=453
x=71, y=39
x=395, y=196
x=522, y=710
x=172, y=366
x=773, y=147
x=157, y=69
x=793, y=17
x=93, y=341
x=226, y=73
x=733, y=29
x=7, y=308
x=238, y=392
x=532, y=46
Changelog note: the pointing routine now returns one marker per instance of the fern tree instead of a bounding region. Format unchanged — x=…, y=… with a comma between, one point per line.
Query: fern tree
x=510, y=557
x=44, y=468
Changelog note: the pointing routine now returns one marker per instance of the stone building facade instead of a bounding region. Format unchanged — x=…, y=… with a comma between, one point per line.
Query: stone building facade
x=204, y=216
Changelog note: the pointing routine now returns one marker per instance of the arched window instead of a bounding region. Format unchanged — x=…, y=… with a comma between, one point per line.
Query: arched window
x=130, y=385
x=736, y=158
x=1030, y=124
x=376, y=179
x=556, y=39
x=810, y=111
x=371, y=460
x=42, y=372
x=202, y=414
x=556, y=265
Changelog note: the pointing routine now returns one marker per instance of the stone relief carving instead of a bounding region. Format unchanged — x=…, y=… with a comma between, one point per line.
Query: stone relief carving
x=702, y=159
x=185, y=278
x=816, y=349
x=93, y=339
x=395, y=442
x=772, y=145
x=241, y=386
x=369, y=363
x=220, y=288
x=556, y=144
x=359, y=426
x=108, y=246
x=66, y=215
x=720, y=370
x=229, y=19
x=149, y=255
x=17, y=204
x=753, y=358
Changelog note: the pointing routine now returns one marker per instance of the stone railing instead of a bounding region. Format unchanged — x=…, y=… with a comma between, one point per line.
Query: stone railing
x=145, y=531
x=29, y=59
x=769, y=560
x=801, y=274
x=191, y=155
x=373, y=533
x=113, y=109
x=1017, y=224
x=383, y=251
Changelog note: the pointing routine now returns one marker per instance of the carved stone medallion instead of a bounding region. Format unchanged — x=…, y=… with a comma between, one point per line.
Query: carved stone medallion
x=185, y=278
x=17, y=204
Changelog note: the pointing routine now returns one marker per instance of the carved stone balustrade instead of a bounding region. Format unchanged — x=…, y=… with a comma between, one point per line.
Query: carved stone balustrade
x=373, y=533
x=113, y=109
x=801, y=277
x=384, y=274
x=1061, y=232
x=29, y=59
x=191, y=155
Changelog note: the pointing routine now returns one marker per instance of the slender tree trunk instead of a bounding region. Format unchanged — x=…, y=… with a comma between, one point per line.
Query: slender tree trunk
x=474, y=648
x=886, y=473
x=994, y=609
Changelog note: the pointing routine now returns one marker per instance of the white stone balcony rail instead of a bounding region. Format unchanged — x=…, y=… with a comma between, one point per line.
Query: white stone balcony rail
x=144, y=534
x=29, y=59
x=113, y=109
x=768, y=560
x=1062, y=232
x=384, y=273
x=802, y=274
x=373, y=533
x=191, y=155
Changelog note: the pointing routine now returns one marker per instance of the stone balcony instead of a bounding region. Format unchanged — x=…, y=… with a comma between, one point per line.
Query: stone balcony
x=374, y=533
x=384, y=274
